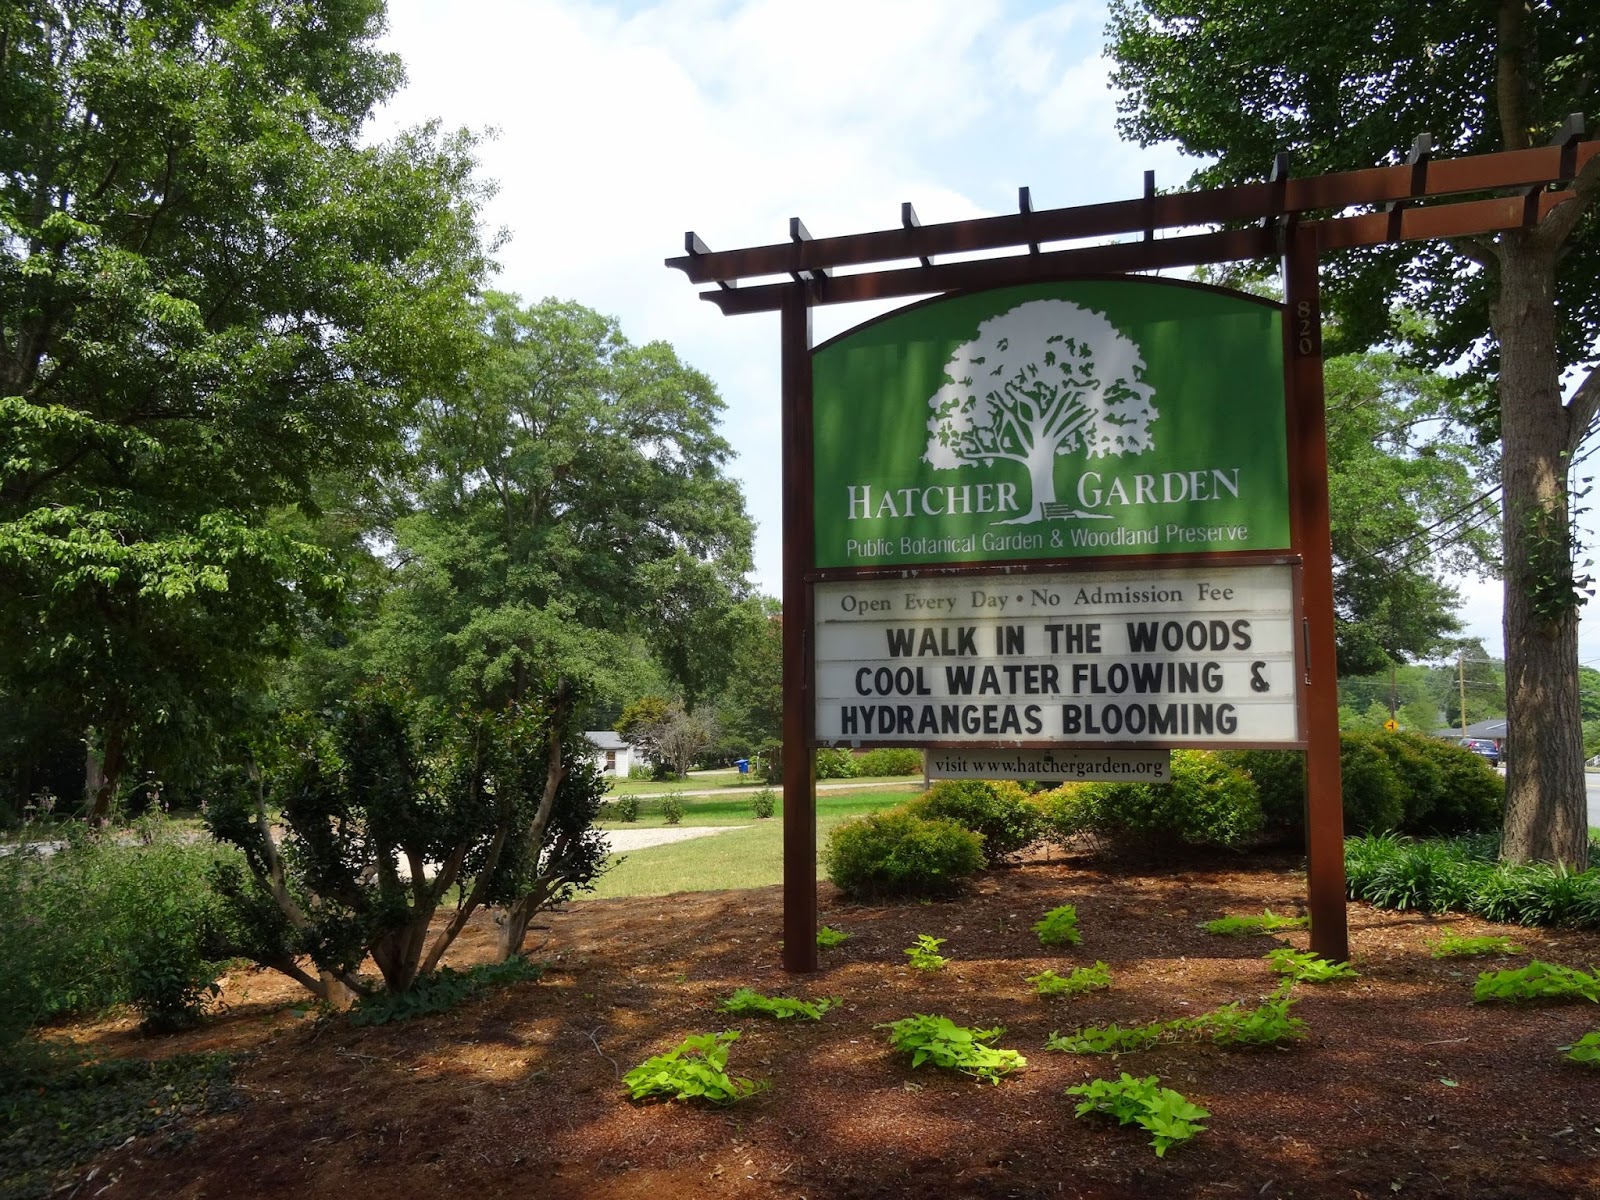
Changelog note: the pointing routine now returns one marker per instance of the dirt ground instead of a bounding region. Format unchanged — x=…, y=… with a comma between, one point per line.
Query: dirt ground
x=1404, y=1087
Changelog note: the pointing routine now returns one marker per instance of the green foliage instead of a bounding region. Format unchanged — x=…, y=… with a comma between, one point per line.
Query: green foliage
x=103, y=923
x=1374, y=796
x=1112, y=1038
x=1166, y=1115
x=835, y=763
x=1207, y=803
x=217, y=338
x=1450, y=945
x=1267, y=1024
x=1059, y=927
x=1231, y=1024
x=1302, y=966
x=671, y=810
x=897, y=854
x=374, y=798
x=1537, y=981
x=55, y=1117
x=1461, y=875
x=1585, y=1050
x=888, y=760
x=625, y=808
x=695, y=1069
x=827, y=935
x=998, y=810
x=441, y=991
x=763, y=804
x=1074, y=983
x=945, y=1044
x=1267, y=922
x=925, y=954
x=747, y=1000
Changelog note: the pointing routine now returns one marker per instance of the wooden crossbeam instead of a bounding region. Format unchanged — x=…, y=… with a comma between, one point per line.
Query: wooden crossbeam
x=1402, y=185
x=1463, y=218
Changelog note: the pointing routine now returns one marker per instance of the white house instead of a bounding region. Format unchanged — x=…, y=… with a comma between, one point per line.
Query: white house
x=611, y=754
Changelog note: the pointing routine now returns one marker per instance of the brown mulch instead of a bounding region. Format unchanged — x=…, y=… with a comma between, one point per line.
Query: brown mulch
x=1404, y=1087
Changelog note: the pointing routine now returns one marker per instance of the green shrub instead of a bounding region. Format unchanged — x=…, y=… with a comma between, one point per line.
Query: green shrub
x=1538, y=981
x=1207, y=802
x=835, y=763
x=626, y=808
x=1374, y=797
x=1585, y=1050
x=1304, y=966
x=441, y=991
x=1074, y=982
x=671, y=809
x=888, y=760
x=827, y=936
x=1391, y=781
x=763, y=804
x=779, y=1008
x=894, y=853
x=925, y=954
x=103, y=923
x=1240, y=926
x=998, y=810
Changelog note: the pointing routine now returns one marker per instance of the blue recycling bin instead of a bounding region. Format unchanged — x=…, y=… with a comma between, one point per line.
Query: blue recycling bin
x=743, y=764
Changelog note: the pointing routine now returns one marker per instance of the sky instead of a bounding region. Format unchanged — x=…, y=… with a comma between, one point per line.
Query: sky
x=617, y=127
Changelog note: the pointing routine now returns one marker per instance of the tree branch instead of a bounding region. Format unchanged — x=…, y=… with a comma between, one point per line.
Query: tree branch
x=1581, y=409
x=1558, y=225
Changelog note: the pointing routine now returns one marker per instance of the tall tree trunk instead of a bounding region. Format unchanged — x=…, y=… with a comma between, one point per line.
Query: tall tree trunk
x=1545, y=819
x=113, y=762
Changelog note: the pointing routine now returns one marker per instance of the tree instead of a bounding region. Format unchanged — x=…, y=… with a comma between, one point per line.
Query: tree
x=1040, y=381
x=210, y=294
x=684, y=737
x=641, y=723
x=386, y=811
x=570, y=504
x=1239, y=83
x=1407, y=504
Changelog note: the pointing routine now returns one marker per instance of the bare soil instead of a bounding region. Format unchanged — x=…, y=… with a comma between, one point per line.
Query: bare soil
x=1404, y=1086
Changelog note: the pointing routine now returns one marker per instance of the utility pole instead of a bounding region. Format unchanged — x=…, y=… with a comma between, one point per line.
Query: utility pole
x=1461, y=677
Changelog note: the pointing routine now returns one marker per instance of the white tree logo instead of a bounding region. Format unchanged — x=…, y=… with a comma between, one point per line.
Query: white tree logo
x=1043, y=380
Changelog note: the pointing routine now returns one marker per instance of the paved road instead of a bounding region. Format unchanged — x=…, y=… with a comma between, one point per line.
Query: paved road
x=639, y=839
x=1592, y=779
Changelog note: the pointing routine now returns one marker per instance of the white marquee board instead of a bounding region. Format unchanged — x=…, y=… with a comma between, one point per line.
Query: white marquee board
x=1192, y=656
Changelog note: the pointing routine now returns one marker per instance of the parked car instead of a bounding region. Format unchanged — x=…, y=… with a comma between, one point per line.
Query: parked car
x=1484, y=747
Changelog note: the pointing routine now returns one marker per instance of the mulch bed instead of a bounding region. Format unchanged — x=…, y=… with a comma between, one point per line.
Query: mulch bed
x=1404, y=1087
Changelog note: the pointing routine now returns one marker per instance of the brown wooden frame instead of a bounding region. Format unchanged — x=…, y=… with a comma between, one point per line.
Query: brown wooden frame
x=1296, y=220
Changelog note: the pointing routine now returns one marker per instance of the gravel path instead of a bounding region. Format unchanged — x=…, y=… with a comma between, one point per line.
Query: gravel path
x=638, y=839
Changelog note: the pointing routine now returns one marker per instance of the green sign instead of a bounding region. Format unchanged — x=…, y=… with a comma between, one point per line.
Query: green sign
x=1052, y=421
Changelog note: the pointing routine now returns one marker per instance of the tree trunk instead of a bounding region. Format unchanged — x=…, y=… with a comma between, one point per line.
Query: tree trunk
x=1545, y=818
x=113, y=762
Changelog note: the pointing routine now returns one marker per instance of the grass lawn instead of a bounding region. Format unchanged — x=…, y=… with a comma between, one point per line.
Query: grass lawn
x=740, y=858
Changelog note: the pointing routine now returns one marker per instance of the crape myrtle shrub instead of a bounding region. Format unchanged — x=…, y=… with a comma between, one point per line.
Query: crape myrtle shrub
x=998, y=810
x=1208, y=803
x=895, y=853
x=1389, y=781
x=1463, y=875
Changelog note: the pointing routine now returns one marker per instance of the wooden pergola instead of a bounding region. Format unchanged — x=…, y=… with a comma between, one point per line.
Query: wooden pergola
x=1294, y=220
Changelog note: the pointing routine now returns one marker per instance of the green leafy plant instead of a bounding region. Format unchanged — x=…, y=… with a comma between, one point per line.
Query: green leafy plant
x=440, y=991
x=747, y=1000
x=1058, y=927
x=626, y=808
x=1241, y=926
x=1450, y=945
x=1585, y=1050
x=999, y=811
x=941, y=1041
x=695, y=1069
x=827, y=935
x=1112, y=1038
x=1074, y=983
x=1166, y=1115
x=1303, y=966
x=1268, y=1024
x=764, y=803
x=1537, y=981
x=925, y=954
x=671, y=810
